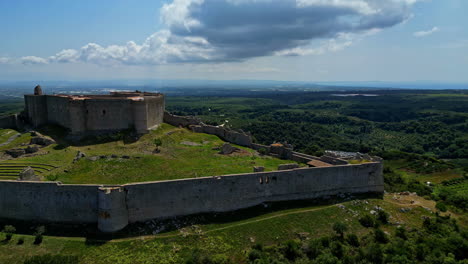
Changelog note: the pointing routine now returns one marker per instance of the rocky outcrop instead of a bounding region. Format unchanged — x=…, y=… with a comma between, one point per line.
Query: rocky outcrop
x=32, y=149
x=15, y=153
x=258, y=169
x=28, y=174
x=42, y=140
x=227, y=149
x=79, y=156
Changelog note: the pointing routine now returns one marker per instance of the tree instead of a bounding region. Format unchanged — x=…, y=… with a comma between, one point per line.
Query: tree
x=340, y=228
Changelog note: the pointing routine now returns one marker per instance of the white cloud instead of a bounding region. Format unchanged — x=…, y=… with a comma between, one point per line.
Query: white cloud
x=420, y=34
x=199, y=31
x=30, y=60
x=4, y=60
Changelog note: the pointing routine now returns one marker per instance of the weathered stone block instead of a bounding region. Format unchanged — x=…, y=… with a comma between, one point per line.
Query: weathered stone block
x=15, y=153
x=288, y=166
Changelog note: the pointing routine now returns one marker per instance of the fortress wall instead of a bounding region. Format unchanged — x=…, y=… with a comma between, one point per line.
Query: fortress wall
x=108, y=114
x=140, y=117
x=154, y=110
x=184, y=121
x=48, y=202
x=332, y=160
x=36, y=109
x=225, y=193
x=77, y=116
x=112, y=208
x=227, y=135
x=9, y=122
x=58, y=110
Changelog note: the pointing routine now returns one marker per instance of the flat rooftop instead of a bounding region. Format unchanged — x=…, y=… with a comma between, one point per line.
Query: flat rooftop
x=134, y=96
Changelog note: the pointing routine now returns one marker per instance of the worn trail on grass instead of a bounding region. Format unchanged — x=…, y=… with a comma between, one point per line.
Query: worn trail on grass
x=10, y=139
x=225, y=227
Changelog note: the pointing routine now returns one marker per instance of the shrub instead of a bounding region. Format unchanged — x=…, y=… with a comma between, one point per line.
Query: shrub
x=353, y=240
x=157, y=142
x=340, y=228
x=313, y=249
x=367, y=220
x=380, y=236
x=21, y=241
x=292, y=250
x=401, y=233
x=52, y=259
x=337, y=249
x=9, y=231
x=263, y=151
x=254, y=254
x=375, y=254
x=38, y=235
x=382, y=216
x=441, y=206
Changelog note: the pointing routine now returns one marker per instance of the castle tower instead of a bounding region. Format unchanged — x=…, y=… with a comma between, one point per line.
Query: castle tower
x=37, y=90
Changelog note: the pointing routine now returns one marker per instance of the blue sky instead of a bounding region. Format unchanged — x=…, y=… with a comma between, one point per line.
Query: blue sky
x=305, y=40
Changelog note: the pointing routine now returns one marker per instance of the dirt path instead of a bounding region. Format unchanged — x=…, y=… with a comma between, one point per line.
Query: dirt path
x=10, y=139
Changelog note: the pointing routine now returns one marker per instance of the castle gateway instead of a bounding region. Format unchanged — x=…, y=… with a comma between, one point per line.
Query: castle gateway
x=84, y=114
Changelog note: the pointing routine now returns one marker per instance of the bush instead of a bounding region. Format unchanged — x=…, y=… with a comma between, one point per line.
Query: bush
x=441, y=206
x=340, y=228
x=353, y=240
x=263, y=151
x=401, y=233
x=9, y=231
x=367, y=220
x=20, y=241
x=157, y=142
x=52, y=259
x=382, y=216
x=380, y=236
x=292, y=250
x=38, y=235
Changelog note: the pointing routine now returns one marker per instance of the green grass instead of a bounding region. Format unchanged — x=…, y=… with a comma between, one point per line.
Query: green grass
x=175, y=160
x=230, y=238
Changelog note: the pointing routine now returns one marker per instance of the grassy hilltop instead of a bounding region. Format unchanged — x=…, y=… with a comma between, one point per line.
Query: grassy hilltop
x=180, y=154
x=422, y=136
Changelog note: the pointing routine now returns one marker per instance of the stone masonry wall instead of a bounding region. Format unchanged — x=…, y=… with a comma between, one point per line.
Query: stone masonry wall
x=9, y=122
x=113, y=208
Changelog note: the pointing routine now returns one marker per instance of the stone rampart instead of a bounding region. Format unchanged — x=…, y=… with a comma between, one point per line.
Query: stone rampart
x=112, y=208
x=184, y=121
x=9, y=122
x=197, y=126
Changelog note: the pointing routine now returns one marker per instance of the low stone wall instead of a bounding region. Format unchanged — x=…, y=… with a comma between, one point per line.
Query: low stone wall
x=231, y=136
x=112, y=208
x=184, y=121
x=197, y=126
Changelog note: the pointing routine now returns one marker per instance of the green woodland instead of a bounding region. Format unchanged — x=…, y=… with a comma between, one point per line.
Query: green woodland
x=421, y=135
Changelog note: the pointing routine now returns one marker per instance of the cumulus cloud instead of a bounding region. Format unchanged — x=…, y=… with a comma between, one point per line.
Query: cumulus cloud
x=198, y=31
x=31, y=60
x=420, y=34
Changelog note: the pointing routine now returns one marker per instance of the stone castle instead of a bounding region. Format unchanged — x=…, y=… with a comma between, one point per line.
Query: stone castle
x=112, y=207
x=85, y=114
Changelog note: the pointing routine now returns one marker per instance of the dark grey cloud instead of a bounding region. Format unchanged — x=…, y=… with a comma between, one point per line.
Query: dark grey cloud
x=198, y=31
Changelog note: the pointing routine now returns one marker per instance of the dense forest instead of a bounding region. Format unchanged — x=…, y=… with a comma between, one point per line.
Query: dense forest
x=423, y=122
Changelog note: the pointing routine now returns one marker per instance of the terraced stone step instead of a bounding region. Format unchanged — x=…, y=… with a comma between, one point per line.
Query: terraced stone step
x=24, y=166
x=28, y=164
